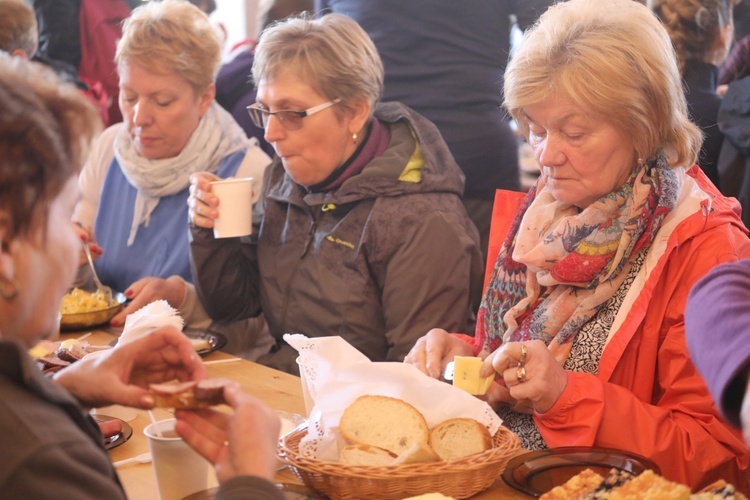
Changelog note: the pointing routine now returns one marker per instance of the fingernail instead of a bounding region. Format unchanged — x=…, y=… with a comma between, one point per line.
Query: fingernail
x=114, y=322
x=148, y=400
x=128, y=293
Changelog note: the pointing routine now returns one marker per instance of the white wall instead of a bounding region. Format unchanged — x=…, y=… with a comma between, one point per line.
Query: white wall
x=239, y=17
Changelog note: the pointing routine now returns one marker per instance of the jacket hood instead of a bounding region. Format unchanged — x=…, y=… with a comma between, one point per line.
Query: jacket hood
x=417, y=160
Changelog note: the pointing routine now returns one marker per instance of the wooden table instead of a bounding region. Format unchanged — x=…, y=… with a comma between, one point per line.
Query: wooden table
x=279, y=390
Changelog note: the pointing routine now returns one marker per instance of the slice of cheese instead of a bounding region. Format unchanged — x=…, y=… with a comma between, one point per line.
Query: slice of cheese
x=466, y=375
x=39, y=351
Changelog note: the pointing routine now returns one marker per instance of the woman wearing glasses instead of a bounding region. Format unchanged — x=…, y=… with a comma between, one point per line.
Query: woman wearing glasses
x=361, y=229
x=135, y=185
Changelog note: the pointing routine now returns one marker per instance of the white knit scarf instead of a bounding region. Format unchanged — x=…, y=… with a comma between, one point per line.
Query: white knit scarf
x=216, y=137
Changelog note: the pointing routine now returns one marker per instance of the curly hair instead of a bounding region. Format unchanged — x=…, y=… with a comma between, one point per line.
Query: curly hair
x=693, y=25
x=46, y=128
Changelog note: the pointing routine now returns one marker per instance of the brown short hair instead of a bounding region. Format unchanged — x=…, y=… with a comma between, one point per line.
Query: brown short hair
x=18, y=29
x=332, y=54
x=611, y=57
x=46, y=128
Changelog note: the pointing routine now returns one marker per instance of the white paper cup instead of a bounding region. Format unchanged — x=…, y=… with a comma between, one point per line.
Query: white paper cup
x=235, y=207
x=309, y=401
x=180, y=470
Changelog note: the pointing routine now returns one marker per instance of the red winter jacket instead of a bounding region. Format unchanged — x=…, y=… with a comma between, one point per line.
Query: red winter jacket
x=648, y=397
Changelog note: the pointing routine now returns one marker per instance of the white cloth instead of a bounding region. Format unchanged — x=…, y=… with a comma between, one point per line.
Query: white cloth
x=216, y=137
x=336, y=374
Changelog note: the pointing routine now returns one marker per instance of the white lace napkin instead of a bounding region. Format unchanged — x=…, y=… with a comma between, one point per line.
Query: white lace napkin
x=150, y=317
x=337, y=374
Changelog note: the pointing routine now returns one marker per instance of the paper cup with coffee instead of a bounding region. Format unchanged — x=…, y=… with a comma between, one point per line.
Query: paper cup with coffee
x=180, y=470
x=235, y=207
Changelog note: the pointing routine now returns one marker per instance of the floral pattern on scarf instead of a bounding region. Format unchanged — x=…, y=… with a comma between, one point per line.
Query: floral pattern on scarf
x=558, y=267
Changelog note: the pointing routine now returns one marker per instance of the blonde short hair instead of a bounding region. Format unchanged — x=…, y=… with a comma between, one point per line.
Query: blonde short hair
x=612, y=57
x=331, y=54
x=174, y=35
x=18, y=28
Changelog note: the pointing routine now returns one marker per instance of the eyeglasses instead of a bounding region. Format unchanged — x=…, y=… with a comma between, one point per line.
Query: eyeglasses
x=288, y=118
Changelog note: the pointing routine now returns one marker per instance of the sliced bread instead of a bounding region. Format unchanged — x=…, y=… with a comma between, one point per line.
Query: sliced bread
x=459, y=437
x=419, y=453
x=364, y=454
x=387, y=423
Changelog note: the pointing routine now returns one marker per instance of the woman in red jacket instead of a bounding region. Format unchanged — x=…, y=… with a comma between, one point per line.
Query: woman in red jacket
x=582, y=319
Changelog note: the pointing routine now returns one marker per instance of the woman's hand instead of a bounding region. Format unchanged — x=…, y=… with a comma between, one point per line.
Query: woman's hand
x=201, y=201
x=433, y=351
x=146, y=290
x=122, y=375
x=240, y=444
x=531, y=381
x=86, y=235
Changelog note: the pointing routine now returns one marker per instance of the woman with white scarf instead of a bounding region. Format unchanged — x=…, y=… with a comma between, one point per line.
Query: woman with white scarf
x=134, y=189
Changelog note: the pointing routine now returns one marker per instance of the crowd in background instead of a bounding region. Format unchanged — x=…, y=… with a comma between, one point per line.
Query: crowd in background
x=383, y=138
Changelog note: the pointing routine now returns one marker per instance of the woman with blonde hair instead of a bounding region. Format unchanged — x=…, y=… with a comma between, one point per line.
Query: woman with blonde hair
x=702, y=32
x=135, y=185
x=582, y=321
x=362, y=232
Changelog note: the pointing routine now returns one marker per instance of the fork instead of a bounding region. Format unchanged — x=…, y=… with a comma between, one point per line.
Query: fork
x=104, y=290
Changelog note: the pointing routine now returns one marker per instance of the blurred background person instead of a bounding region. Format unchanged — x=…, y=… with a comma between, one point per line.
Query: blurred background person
x=583, y=318
x=18, y=29
x=235, y=89
x=445, y=59
x=50, y=443
x=362, y=232
x=78, y=38
x=702, y=32
x=717, y=319
x=135, y=185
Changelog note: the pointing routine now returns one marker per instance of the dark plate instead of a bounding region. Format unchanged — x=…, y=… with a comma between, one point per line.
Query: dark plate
x=291, y=492
x=117, y=439
x=537, y=472
x=215, y=339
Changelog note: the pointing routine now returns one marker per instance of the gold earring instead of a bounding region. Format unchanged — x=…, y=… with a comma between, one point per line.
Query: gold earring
x=8, y=289
x=354, y=138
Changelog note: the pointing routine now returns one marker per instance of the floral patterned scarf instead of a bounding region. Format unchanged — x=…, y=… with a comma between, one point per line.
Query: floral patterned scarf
x=557, y=266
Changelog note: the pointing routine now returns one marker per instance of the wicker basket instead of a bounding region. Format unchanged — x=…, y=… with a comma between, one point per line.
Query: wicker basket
x=456, y=478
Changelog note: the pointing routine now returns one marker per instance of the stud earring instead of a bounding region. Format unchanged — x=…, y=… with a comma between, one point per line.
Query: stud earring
x=8, y=289
x=354, y=138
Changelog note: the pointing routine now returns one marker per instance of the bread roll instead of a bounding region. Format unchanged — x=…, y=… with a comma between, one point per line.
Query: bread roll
x=459, y=437
x=384, y=422
x=364, y=454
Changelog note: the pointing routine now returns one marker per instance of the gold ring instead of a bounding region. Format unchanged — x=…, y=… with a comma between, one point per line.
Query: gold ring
x=521, y=374
x=524, y=353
